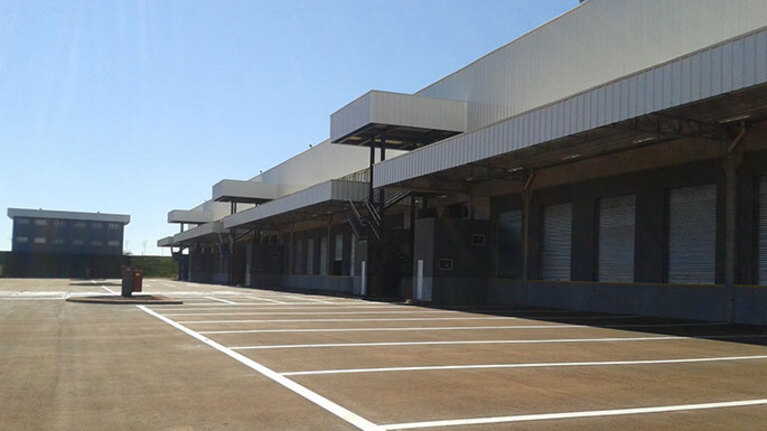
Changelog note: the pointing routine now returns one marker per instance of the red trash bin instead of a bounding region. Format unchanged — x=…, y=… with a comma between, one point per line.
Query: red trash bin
x=138, y=277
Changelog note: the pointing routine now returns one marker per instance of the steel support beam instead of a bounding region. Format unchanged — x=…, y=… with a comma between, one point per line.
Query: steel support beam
x=371, y=196
x=381, y=191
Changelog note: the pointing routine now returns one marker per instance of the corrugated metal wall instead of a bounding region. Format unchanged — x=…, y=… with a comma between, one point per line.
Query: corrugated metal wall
x=721, y=69
x=692, y=235
x=557, y=241
x=598, y=42
x=398, y=109
x=617, y=225
x=762, y=231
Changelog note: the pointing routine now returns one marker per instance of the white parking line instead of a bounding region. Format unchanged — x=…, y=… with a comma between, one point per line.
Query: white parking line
x=447, y=328
x=457, y=342
x=303, y=298
x=523, y=365
x=272, y=307
x=344, y=320
x=414, y=318
x=258, y=298
x=573, y=415
x=58, y=298
x=220, y=300
x=515, y=341
x=108, y=289
x=314, y=397
x=311, y=313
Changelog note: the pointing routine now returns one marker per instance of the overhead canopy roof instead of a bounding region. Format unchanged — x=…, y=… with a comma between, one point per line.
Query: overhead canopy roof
x=165, y=242
x=244, y=191
x=692, y=96
x=320, y=199
x=188, y=216
x=68, y=215
x=405, y=121
x=199, y=232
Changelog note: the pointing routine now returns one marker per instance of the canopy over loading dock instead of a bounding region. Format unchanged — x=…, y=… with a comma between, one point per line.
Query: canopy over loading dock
x=244, y=191
x=325, y=198
x=403, y=121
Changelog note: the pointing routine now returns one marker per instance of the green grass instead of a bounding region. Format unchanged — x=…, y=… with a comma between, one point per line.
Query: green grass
x=154, y=266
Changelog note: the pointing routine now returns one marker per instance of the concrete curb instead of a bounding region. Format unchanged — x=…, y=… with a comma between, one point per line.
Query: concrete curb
x=117, y=299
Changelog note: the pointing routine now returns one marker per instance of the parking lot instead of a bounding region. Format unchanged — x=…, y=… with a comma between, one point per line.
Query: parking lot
x=235, y=358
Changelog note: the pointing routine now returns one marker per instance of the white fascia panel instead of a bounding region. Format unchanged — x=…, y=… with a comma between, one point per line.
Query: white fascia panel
x=165, y=242
x=396, y=109
x=333, y=190
x=244, y=190
x=199, y=231
x=595, y=108
x=188, y=216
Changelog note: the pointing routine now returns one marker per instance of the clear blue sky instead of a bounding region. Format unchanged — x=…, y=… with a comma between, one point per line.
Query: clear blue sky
x=139, y=107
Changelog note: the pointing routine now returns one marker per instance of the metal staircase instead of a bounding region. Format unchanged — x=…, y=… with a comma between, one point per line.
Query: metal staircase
x=367, y=225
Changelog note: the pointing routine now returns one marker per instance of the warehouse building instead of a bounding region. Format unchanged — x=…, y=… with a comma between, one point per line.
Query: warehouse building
x=618, y=168
x=66, y=244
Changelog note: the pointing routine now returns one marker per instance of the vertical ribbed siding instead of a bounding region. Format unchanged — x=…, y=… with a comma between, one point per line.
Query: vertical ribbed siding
x=417, y=111
x=351, y=116
x=617, y=224
x=701, y=75
x=557, y=241
x=762, y=229
x=330, y=190
x=380, y=107
x=575, y=52
x=692, y=235
x=509, y=256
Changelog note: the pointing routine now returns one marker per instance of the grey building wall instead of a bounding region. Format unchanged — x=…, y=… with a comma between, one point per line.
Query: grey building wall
x=455, y=254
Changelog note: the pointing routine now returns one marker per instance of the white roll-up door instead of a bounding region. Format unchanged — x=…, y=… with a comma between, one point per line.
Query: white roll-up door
x=509, y=263
x=310, y=256
x=692, y=235
x=762, y=229
x=617, y=217
x=556, y=242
